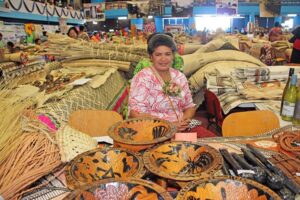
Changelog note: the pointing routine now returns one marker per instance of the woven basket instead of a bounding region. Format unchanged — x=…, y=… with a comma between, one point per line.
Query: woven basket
x=226, y=187
x=127, y=188
x=100, y=164
x=141, y=133
x=183, y=161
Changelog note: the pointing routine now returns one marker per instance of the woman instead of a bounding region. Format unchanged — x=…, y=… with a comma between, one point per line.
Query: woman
x=73, y=33
x=161, y=91
x=2, y=44
x=145, y=62
x=275, y=33
x=295, y=58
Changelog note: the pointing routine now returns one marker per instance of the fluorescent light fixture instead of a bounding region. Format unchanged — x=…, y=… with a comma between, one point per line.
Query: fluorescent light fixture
x=122, y=18
x=292, y=15
x=288, y=23
x=150, y=17
x=212, y=23
x=95, y=23
x=111, y=30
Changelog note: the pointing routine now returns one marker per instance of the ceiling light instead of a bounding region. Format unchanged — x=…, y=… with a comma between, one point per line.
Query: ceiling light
x=122, y=18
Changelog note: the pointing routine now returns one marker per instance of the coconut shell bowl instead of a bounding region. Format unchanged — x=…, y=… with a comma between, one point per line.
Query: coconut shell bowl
x=225, y=187
x=99, y=164
x=121, y=189
x=138, y=134
x=182, y=161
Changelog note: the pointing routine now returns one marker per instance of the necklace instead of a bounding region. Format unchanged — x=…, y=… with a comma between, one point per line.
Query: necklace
x=164, y=86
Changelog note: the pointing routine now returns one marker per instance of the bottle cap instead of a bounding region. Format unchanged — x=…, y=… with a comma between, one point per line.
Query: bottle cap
x=294, y=79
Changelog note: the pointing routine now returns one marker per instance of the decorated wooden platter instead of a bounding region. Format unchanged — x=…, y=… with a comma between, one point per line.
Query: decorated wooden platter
x=225, y=187
x=99, y=164
x=141, y=133
x=121, y=189
x=182, y=161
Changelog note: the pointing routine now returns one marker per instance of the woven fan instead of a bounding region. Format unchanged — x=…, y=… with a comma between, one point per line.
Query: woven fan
x=72, y=142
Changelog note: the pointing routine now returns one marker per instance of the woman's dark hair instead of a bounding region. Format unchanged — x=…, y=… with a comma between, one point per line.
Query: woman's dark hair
x=296, y=32
x=1, y=34
x=277, y=24
x=10, y=44
x=72, y=28
x=81, y=28
x=37, y=40
x=159, y=39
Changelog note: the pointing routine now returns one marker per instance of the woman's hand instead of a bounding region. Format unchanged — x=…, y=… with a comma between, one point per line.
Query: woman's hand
x=182, y=125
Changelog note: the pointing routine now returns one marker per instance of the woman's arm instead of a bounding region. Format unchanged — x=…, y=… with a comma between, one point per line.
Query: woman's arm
x=189, y=113
x=136, y=114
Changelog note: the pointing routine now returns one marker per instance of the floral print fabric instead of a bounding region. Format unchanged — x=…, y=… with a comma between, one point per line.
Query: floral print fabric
x=146, y=95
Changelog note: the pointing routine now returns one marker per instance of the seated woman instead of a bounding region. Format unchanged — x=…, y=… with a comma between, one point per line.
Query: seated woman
x=73, y=33
x=275, y=33
x=161, y=91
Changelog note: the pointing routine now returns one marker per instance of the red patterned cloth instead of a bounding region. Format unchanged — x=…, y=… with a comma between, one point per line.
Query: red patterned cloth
x=202, y=132
x=149, y=28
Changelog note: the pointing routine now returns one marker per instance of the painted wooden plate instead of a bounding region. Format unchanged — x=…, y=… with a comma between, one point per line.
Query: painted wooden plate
x=98, y=164
x=225, y=187
x=121, y=189
x=141, y=132
x=182, y=161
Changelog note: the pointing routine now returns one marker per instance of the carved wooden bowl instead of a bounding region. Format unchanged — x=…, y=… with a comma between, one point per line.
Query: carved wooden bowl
x=141, y=133
x=98, y=164
x=121, y=189
x=182, y=161
x=225, y=187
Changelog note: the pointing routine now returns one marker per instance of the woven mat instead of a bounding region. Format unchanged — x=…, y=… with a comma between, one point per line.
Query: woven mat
x=21, y=70
x=196, y=61
x=222, y=67
x=104, y=97
x=54, y=187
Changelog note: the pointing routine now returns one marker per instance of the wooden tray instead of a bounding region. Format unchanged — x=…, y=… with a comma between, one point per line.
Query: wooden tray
x=141, y=133
x=121, y=189
x=226, y=187
x=98, y=164
x=183, y=161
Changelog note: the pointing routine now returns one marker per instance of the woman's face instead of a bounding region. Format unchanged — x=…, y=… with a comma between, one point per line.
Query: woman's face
x=162, y=58
x=72, y=34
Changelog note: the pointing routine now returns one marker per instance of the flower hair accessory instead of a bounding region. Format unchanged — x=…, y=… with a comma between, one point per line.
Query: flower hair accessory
x=171, y=89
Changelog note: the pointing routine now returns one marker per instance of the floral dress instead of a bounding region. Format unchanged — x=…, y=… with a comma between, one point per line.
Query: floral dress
x=147, y=96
